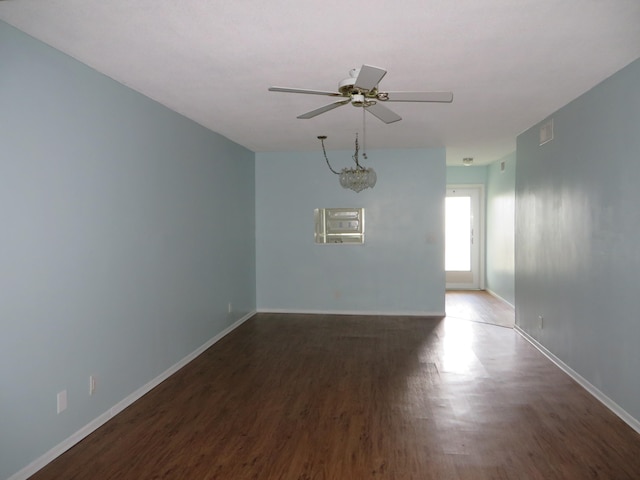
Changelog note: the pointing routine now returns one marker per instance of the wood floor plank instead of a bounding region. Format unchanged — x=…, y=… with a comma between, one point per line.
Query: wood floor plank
x=479, y=306
x=343, y=397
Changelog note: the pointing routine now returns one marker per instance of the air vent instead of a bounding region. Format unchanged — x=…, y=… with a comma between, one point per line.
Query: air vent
x=546, y=132
x=339, y=225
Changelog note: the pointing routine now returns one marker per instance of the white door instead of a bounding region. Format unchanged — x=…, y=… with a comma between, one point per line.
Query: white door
x=463, y=237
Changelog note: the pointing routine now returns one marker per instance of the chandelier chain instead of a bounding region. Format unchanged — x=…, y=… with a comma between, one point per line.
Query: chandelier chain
x=326, y=158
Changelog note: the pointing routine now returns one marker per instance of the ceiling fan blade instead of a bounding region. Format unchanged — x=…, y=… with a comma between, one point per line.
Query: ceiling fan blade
x=442, y=97
x=369, y=77
x=324, y=109
x=383, y=113
x=304, y=90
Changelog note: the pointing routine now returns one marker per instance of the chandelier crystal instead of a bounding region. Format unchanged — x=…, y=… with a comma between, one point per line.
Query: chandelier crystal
x=357, y=179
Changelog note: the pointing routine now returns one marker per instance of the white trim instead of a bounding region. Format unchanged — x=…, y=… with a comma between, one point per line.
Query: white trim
x=353, y=312
x=90, y=427
x=462, y=287
x=601, y=397
x=494, y=294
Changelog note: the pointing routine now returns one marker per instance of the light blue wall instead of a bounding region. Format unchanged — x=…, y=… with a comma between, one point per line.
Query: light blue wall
x=125, y=231
x=467, y=175
x=577, y=230
x=500, y=264
x=401, y=266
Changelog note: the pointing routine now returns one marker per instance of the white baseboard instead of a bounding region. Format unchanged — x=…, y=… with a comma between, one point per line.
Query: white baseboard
x=606, y=401
x=353, y=312
x=494, y=294
x=89, y=428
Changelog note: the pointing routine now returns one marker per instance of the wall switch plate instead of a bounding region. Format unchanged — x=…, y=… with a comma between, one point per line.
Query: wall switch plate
x=62, y=401
x=540, y=322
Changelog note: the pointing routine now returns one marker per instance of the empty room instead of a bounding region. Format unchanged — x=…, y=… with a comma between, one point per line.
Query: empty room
x=280, y=240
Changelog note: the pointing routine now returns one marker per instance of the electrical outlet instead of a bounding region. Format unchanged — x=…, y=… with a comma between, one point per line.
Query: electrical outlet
x=540, y=322
x=92, y=384
x=229, y=308
x=62, y=401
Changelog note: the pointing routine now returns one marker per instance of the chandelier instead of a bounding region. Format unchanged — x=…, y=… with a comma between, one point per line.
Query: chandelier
x=358, y=178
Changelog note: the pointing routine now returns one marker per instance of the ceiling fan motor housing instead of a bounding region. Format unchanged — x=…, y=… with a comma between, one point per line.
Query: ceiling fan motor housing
x=359, y=98
x=345, y=87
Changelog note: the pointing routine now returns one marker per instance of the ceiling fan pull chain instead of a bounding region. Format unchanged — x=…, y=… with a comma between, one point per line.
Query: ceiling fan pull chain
x=355, y=155
x=364, y=135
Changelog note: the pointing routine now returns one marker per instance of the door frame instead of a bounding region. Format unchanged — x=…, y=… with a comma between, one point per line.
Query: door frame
x=479, y=235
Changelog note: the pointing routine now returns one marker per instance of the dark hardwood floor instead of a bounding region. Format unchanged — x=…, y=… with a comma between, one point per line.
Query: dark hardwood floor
x=346, y=398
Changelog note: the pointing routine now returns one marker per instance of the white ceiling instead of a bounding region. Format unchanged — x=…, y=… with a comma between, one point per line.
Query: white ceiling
x=509, y=63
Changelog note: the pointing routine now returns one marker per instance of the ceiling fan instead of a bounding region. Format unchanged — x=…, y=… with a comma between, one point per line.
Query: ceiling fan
x=361, y=90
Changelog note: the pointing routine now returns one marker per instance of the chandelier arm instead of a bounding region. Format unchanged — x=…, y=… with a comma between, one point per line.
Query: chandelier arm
x=325, y=155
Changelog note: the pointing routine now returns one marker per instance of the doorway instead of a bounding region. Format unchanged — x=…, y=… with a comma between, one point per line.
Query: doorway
x=464, y=246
